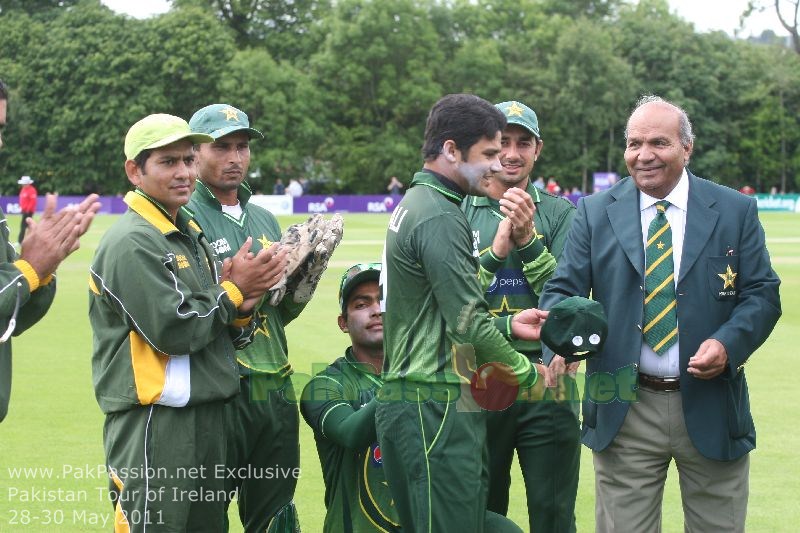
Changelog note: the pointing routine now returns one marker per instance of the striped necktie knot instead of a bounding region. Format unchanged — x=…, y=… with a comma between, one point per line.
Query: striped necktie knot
x=661, y=318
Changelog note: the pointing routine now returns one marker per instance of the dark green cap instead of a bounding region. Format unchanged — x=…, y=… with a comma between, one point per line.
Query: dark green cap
x=355, y=276
x=519, y=113
x=219, y=120
x=576, y=328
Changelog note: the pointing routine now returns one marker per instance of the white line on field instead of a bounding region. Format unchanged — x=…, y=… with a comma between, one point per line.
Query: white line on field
x=783, y=240
x=358, y=242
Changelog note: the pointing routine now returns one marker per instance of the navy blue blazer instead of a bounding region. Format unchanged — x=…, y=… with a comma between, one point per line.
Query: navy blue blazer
x=604, y=258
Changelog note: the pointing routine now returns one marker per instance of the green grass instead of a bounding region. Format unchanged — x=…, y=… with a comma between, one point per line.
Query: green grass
x=54, y=421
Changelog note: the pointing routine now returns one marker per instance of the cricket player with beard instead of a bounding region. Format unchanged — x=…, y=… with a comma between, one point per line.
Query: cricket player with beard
x=434, y=453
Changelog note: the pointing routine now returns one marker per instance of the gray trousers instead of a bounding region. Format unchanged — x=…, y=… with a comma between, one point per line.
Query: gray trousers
x=630, y=473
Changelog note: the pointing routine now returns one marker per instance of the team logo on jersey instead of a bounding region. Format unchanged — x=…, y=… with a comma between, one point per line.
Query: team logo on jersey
x=509, y=281
x=182, y=261
x=377, y=458
x=221, y=246
x=374, y=496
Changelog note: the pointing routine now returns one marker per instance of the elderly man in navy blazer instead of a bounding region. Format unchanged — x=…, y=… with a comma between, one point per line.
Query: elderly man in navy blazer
x=681, y=267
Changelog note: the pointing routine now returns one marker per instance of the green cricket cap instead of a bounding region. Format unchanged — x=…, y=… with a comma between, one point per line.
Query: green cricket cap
x=576, y=328
x=353, y=277
x=519, y=113
x=219, y=120
x=155, y=131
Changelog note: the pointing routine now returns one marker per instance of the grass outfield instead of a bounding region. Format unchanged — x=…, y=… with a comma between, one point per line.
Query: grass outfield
x=54, y=427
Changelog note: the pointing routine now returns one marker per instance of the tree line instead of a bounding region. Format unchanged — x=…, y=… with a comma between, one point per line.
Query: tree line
x=341, y=88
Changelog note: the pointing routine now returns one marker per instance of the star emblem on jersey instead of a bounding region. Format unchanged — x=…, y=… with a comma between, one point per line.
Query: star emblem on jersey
x=514, y=110
x=729, y=277
x=660, y=245
x=263, y=329
x=504, y=309
x=230, y=113
x=265, y=243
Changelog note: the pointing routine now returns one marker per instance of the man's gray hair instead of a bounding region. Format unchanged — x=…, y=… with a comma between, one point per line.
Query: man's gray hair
x=684, y=124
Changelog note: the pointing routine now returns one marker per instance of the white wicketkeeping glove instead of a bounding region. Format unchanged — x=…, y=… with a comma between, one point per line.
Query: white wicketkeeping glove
x=301, y=240
x=304, y=281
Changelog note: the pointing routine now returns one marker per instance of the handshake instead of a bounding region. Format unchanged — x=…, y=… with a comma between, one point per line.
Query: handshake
x=292, y=266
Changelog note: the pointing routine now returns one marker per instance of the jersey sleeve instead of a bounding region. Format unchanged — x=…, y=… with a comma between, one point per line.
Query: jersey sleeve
x=538, y=268
x=443, y=246
x=573, y=275
x=327, y=409
x=15, y=291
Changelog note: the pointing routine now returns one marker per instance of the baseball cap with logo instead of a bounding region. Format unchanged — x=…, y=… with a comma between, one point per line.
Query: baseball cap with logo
x=219, y=120
x=353, y=277
x=576, y=328
x=520, y=114
x=155, y=131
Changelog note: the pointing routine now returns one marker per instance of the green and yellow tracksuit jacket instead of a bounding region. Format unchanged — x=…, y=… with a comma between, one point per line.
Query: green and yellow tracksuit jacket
x=432, y=299
x=339, y=404
x=268, y=353
x=164, y=329
x=515, y=283
x=24, y=298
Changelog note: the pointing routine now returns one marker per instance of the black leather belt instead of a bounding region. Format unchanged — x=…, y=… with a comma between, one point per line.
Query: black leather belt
x=659, y=384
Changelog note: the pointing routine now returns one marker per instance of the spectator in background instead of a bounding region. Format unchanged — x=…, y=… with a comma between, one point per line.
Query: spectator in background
x=294, y=189
x=395, y=186
x=539, y=183
x=748, y=190
x=553, y=187
x=279, y=187
x=27, y=203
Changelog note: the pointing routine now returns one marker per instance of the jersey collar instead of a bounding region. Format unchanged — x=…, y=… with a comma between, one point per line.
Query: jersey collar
x=206, y=196
x=438, y=182
x=361, y=367
x=154, y=213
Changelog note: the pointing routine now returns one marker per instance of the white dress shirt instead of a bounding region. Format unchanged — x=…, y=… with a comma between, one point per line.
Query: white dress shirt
x=666, y=365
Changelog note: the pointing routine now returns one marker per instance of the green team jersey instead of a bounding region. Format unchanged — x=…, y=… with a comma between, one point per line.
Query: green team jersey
x=268, y=353
x=164, y=328
x=431, y=296
x=23, y=297
x=339, y=405
x=515, y=283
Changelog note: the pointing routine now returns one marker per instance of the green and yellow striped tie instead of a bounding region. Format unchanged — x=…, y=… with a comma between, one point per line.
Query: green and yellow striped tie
x=660, y=316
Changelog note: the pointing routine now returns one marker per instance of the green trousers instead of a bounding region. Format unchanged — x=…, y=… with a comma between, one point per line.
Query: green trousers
x=165, y=468
x=434, y=458
x=263, y=464
x=546, y=437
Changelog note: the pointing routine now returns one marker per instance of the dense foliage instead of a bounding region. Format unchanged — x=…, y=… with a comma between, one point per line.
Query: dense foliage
x=341, y=88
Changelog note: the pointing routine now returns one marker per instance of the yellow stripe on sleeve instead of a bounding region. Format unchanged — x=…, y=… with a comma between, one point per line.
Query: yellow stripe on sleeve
x=149, y=369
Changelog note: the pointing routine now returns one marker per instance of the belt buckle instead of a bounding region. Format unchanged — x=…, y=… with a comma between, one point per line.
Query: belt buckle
x=660, y=384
